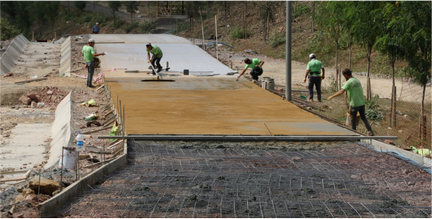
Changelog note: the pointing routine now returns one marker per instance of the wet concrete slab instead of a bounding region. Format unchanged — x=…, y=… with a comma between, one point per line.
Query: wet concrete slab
x=208, y=105
x=179, y=56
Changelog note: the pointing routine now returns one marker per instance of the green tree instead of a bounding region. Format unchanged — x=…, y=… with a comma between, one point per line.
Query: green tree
x=7, y=30
x=329, y=19
x=80, y=5
x=19, y=13
x=363, y=17
x=131, y=7
x=114, y=6
x=415, y=18
x=390, y=43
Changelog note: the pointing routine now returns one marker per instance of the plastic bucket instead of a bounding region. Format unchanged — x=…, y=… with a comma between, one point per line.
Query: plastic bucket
x=68, y=160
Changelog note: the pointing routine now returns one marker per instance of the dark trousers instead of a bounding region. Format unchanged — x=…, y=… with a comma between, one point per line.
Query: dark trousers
x=90, y=67
x=353, y=114
x=317, y=82
x=157, y=62
x=257, y=71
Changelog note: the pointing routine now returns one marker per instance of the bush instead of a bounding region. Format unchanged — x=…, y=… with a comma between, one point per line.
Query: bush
x=237, y=33
x=146, y=26
x=277, y=39
x=117, y=23
x=7, y=30
x=180, y=26
x=372, y=111
x=91, y=19
x=301, y=9
x=129, y=27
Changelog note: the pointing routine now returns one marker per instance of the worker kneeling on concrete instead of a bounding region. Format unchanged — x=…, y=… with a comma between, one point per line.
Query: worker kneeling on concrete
x=89, y=56
x=255, y=65
x=356, y=99
x=156, y=56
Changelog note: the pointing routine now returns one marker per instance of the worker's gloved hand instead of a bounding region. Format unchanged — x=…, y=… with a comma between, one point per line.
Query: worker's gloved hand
x=304, y=80
x=322, y=77
x=148, y=61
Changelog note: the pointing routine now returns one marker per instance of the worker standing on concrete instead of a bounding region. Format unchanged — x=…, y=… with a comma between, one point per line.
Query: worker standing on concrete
x=313, y=69
x=156, y=56
x=89, y=53
x=96, y=28
x=356, y=99
x=255, y=65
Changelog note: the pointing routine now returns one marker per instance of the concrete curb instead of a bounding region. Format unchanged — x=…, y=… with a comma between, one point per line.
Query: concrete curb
x=66, y=57
x=61, y=130
x=12, y=53
x=380, y=146
x=50, y=207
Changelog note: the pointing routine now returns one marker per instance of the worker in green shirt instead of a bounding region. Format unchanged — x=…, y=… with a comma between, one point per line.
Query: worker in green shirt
x=356, y=99
x=89, y=53
x=156, y=56
x=313, y=69
x=255, y=65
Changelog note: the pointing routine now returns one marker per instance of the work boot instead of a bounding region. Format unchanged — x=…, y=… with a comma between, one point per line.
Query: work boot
x=159, y=69
x=370, y=133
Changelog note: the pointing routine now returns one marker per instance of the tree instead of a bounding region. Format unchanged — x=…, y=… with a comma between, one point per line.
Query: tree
x=390, y=43
x=80, y=5
x=131, y=7
x=330, y=20
x=114, y=6
x=415, y=18
x=267, y=9
x=365, y=28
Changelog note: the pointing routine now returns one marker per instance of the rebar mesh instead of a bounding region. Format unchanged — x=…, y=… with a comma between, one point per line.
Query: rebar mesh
x=348, y=181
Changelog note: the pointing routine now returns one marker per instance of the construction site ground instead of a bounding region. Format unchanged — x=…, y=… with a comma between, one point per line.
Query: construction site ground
x=200, y=179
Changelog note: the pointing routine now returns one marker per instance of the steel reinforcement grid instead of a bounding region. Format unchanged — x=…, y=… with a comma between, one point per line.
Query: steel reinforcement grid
x=170, y=180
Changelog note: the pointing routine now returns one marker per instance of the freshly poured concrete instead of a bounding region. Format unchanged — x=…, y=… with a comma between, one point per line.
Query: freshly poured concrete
x=196, y=105
x=206, y=105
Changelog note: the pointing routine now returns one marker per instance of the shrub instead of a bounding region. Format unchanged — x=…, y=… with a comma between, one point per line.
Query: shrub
x=238, y=33
x=129, y=27
x=91, y=19
x=7, y=30
x=117, y=23
x=277, y=39
x=180, y=26
x=372, y=111
x=301, y=9
x=146, y=26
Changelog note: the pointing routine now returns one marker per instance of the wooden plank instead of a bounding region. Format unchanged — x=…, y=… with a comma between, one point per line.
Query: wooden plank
x=101, y=129
x=28, y=81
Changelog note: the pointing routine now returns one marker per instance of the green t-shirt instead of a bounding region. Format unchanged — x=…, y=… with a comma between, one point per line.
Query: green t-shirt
x=156, y=51
x=314, y=67
x=355, y=92
x=88, y=51
x=252, y=65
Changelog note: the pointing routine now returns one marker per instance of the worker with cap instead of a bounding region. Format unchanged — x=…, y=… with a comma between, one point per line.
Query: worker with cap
x=313, y=69
x=255, y=65
x=96, y=28
x=156, y=56
x=89, y=53
x=356, y=99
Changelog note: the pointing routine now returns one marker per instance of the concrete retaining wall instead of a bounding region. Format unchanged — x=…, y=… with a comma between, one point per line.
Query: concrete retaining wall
x=380, y=146
x=50, y=207
x=61, y=130
x=12, y=53
x=66, y=57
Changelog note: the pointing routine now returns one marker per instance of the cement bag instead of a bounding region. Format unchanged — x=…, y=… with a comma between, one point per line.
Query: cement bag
x=68, y=160
x=114, y=131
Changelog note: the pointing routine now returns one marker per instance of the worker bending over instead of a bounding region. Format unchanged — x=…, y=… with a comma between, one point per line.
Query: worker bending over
x=356, y=99
x=156, y=56
x=255, y=65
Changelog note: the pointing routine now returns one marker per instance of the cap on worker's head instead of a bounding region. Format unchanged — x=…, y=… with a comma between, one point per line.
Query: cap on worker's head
x=91, y=40
x=97, y=23
x=311, y=56
x=148, y=44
